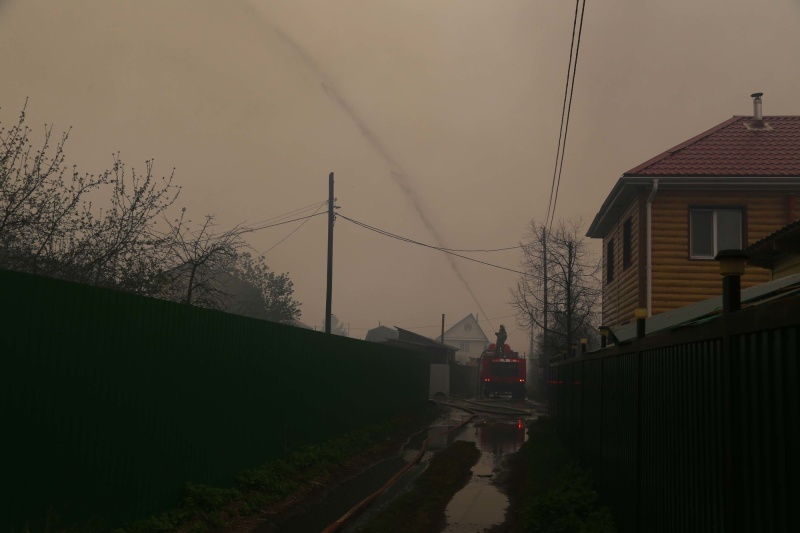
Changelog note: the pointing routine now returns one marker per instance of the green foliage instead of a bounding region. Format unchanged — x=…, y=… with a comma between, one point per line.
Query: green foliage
x=275, y=290
x=559, y=497
x=569, y=507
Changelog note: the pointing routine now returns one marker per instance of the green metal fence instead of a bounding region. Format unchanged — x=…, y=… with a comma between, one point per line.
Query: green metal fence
x=110, y=402
x=696, y=429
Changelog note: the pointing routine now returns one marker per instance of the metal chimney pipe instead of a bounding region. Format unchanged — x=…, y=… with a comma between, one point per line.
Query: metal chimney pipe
x=757, y=106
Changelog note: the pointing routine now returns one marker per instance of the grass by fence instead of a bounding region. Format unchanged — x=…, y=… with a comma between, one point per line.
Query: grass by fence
x=110, y=402
x=696, y=429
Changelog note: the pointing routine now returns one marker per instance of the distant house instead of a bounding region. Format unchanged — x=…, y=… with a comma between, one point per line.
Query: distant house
x=778, y=252
x=439, y=353
x=381, y=333
x=467, y=335
x=666, y=219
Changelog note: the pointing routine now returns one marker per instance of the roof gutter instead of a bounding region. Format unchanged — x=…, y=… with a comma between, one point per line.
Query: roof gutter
x=650, y=247
x=605, y=218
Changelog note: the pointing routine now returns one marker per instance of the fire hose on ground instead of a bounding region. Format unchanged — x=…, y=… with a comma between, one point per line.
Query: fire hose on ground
x=366, y=502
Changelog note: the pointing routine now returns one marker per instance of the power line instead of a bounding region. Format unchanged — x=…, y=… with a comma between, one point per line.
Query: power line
x=294, y=230
x=244, y=229
x=569, y=109
x=517, y=247
x=258, y=228
x=411, y=241
x=291, y=213
x=446, y=325
x=565, y=114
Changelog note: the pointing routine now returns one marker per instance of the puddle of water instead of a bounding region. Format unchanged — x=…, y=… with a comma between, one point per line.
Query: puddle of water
x=477, y=506
x=480, y=504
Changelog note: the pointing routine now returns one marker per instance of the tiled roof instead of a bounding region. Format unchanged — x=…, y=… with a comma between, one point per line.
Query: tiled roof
x=786, y=230
x=733, y=148
x=764, y=252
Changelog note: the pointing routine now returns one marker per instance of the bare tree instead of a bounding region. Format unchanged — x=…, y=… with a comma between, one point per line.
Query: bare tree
x=121, y=246
x=559, y=263
x=40, y=201
x=214, y=269
x=49, y=226
x=202, y=260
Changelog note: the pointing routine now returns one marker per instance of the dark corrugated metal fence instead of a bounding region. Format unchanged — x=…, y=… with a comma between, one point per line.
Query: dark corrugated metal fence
x=110, y=402
x=696, y=429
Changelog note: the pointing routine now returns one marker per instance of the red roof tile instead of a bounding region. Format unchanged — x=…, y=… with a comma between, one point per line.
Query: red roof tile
x=733, y=149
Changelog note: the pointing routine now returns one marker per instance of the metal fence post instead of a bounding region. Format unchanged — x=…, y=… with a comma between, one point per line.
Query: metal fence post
x=641, y=314
x=731, y=267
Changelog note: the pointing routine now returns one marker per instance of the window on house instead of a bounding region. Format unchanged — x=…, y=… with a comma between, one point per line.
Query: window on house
x=610, y=261
x=464, y=346
x=712, y=230
x=627, y=228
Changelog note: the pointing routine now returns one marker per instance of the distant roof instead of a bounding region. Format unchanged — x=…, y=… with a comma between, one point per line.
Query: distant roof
x=467, y=328
x=381, y=333
x=733, y=148
x=421, y=340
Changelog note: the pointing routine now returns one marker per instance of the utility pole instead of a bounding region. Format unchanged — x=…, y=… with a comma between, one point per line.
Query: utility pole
x=442, y=328
x=331, y=217
x=546, y=359
x=569, y=299
x=544, y=356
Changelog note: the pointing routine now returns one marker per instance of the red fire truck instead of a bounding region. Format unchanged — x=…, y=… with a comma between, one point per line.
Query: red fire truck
x=501, y=371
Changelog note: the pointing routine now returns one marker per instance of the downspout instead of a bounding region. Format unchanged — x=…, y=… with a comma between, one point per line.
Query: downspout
x=650, y=247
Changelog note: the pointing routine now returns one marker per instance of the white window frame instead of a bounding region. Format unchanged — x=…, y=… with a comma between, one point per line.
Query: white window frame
x=714, y=234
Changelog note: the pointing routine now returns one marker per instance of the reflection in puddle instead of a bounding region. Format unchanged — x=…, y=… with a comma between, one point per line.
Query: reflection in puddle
x=501, y=438
x=480, y=504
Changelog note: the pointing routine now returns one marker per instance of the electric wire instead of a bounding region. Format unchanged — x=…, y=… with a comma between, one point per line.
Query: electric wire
x=411, y=241
x=446, y=325
x=294, y=230
x=566, y=107
x=517, y=247
x=563, y=114
x=569, y=110
x=291, y=213
x=259, y=228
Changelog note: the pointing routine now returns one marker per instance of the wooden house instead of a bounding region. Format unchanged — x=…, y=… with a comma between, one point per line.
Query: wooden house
x=469, y=337
x=666, y=219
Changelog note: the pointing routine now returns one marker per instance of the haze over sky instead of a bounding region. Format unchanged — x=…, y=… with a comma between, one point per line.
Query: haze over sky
x=439, y=117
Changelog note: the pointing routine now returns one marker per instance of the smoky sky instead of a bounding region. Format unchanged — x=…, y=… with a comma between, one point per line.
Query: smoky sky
x=440, y=119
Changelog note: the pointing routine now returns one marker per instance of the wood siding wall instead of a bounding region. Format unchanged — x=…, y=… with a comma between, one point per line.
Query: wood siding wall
x=678, y=280
x=622, y=295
